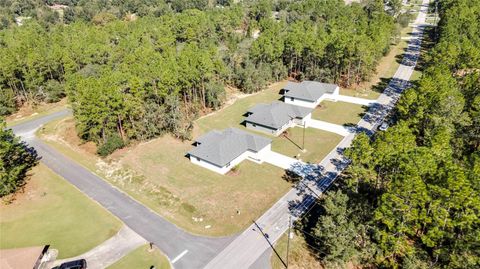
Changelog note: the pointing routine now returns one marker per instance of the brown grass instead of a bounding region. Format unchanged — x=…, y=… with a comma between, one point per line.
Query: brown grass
x=31, y=111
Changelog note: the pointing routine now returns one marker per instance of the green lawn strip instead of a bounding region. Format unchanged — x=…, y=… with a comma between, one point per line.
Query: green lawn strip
x=54, y=212
x=142, y=258
x=232, y=116
x=339, y=112
x=318, y=144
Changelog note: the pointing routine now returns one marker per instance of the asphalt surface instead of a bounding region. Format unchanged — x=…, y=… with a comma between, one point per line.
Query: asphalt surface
x=248, y=249
x=183, y=249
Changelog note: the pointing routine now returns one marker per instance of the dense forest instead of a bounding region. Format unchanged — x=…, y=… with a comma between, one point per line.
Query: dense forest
x=138, y=76
x=411, y=196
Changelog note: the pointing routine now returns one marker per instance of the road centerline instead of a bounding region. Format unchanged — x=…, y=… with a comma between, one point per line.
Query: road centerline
x=179, y=256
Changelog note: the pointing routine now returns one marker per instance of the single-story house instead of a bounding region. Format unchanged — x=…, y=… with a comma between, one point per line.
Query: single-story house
x=309, y=93
x=276, y=117
x=220, y=151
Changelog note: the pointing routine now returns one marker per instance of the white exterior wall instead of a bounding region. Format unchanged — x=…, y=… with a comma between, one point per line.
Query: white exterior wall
x=256, y=157
x=299, y=102
x=327, y=96
x=332, y=96
x=269, y=130
x=261, y=128
x=301, y=122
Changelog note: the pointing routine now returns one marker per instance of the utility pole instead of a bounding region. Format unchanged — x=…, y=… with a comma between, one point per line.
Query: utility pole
x=288, y=236
x=303, y=143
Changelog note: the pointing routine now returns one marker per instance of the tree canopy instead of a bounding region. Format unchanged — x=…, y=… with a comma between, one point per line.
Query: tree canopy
x=16, y=159
x=411, y=197
x=143, y=77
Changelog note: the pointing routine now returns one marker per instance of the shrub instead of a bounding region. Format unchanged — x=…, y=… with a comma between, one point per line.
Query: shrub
x=113, y=143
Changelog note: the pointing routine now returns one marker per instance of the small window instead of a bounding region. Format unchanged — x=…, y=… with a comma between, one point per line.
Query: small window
x=254, y=125
x=198, y=159
x=228, y=164
x=291, y=98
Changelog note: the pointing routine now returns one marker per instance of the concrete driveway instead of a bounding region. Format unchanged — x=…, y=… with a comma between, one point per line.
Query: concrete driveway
x=111, y=250
x=183, y=249
x=329, y=127
x=280, y=160
x=355, y=100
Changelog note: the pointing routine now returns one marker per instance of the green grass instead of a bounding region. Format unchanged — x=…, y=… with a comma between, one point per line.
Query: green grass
x=338, y=112
x=51, y=211
x=168, y=183
x=142, y=258
x=232, y=116
x=180, y=190
x=318, y=144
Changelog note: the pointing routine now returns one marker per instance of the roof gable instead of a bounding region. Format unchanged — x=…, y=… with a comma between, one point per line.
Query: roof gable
x=308, y=90
x=276, y=114
x=222, y=147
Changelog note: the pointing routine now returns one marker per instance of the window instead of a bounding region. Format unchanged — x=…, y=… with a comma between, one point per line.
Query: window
x=198, y=159
x=254, y=125
x=228, y=164
x=291, y=98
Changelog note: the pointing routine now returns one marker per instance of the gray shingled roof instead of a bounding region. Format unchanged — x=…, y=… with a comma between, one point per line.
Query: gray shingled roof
x=308, y=90
x=276, y=114
x=222, y=147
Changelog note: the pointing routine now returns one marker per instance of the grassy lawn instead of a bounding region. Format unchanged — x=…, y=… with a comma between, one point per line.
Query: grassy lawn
x=232, y=116
x=51, y=211
x=338, y=112
x=28, y=112
x=158, y=174
x=142, y=258
x=300, y=255
x=318, y=144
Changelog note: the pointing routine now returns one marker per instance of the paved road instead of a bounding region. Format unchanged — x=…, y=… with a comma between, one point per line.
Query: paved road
x=183, y=249
x=244, y=251
x=189, y=251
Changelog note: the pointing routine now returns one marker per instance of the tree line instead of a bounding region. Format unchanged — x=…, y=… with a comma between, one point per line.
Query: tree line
x=133, y=80
x=411, y=195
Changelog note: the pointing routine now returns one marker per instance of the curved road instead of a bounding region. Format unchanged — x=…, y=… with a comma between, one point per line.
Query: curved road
x=249, y=249
x=183, y=249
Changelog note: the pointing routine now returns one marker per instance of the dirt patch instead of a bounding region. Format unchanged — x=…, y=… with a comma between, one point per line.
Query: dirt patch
x=29, y=192
x=30, y=110
x=66, y=133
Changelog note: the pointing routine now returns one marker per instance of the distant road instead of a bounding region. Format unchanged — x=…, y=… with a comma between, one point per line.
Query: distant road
x=190, y=251
x=184, y=250
x=247, y=248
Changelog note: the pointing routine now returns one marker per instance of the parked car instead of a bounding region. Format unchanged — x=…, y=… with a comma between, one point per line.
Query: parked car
x=384, y=126
x=77, y=264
